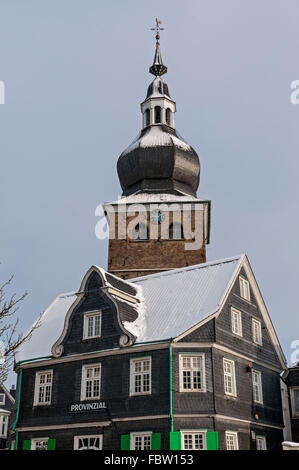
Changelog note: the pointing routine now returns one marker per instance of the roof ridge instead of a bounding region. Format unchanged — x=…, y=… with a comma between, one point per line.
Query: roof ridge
x=189, y=268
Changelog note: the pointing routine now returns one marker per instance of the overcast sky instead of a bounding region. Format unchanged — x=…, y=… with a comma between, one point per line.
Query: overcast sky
x=75, y=72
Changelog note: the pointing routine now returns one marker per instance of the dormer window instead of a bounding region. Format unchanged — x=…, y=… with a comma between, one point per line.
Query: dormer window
x=157, y=115
x=92, y=325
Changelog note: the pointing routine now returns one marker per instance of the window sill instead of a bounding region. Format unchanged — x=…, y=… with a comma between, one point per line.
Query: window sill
x=90, y=337
x=42, y=404
x=237, y=334
x=230, y=396
x=90, y=399
x=140, y=394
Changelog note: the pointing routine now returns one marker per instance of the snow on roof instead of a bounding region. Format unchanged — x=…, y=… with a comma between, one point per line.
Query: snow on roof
x=171, y=303
x=43, y=338
x=155, y=136
x=155, y=198
x=178, y=299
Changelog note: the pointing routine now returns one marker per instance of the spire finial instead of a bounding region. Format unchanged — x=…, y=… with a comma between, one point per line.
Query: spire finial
x=158, y=68
x=157, y=28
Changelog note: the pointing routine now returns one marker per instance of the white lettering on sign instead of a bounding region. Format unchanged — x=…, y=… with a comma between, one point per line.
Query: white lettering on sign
x=89, y=406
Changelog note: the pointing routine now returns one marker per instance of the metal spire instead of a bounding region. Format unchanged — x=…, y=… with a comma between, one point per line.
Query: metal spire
x=158, y=68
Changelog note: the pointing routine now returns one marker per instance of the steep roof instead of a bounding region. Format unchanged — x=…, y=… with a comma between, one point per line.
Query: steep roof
x=171, y=303
x=155, y=307
x=178, y=299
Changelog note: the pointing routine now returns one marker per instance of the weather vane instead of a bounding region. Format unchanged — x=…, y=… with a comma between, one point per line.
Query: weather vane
x=157, y=28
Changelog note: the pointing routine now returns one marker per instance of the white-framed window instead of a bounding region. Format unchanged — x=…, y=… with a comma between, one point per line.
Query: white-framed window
x=244, y=288
x=91, y=381
x=39, y=443
x=3, y=424
x=236, y=321
x=231, y=439
x=229, y=377
x=88, y=442
x=257, y=386
x=194, y=440
x=192, y=372
x=261, y=443
x=294, y=392
x=92, y=325
x=2, y=398
x=140, y=441
x=257, y=332
x=43, y=387
x=140, y=376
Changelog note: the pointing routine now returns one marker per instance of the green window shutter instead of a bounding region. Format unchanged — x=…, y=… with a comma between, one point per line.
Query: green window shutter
x=27, y=444
x=212, y=440
x=125, y=442
x=51, y=444
x=9, y=445
x=175, y=441
x=156, y=441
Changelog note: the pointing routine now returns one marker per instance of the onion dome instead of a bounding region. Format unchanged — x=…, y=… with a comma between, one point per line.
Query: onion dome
x=159, y=160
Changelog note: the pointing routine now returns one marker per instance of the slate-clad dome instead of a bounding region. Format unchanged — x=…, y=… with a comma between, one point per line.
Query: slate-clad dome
x=157, y=88
x=158, y=159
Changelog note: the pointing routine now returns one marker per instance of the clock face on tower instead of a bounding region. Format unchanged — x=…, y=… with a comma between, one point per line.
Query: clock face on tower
x=157, y=217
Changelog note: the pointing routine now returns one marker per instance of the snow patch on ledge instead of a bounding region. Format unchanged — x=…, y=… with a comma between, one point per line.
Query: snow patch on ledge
x=138, y=327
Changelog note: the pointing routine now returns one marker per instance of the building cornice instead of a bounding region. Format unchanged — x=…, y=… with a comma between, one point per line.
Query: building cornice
x=93, y=355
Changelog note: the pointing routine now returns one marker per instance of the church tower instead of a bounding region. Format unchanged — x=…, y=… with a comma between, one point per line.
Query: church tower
x=159, y=223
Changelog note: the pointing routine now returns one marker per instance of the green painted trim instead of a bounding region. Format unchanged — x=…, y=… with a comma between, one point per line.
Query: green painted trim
x=125, y=440
x=18, y=410
x=170, y=389
x=34, y=359
x=212, y=440
x=175, y=440
x=156, y=441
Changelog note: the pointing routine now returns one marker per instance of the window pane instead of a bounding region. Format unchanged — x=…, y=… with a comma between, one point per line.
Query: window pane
x=97, y=326
x=90, y=326
x=187, y=379
x=196, y=379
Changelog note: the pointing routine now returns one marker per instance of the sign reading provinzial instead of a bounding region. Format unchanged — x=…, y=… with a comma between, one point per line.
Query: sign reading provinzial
x=99, y=405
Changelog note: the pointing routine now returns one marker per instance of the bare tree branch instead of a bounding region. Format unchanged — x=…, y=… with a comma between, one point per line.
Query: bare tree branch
x=10, y=338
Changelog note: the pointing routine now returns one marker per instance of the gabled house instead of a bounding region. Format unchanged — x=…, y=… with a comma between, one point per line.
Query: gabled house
x=7, y=404
x=183, y=359
x=291, y=379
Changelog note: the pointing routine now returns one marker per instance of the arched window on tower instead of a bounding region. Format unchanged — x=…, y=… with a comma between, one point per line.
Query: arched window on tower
x=140, y=232
x=168, y=116
x=157, y=114
x=147, y=117
x=176, y=231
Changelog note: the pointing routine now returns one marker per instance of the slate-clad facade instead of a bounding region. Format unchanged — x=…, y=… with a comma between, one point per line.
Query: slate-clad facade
x=166, y=410
x=7, y=404
x=166, y=350
x=291, y=378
